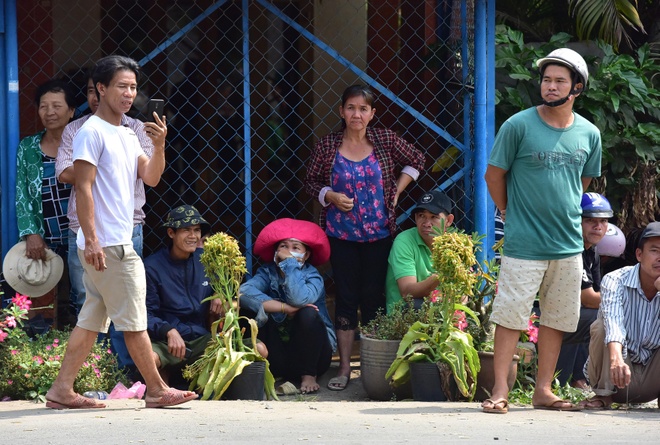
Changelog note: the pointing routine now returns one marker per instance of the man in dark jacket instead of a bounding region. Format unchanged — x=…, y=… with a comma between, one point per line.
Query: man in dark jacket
x=176, y=287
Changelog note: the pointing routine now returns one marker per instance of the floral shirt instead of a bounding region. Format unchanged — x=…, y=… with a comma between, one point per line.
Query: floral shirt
x=363, y=181
x=30, y=188
x=389, y=149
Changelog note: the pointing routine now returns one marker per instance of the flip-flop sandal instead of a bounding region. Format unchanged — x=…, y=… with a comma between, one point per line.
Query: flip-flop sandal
x=494, y=409
x=338, y=383
x=172, y=397
x=79, y=402
x=601, y=404
x=552, y=406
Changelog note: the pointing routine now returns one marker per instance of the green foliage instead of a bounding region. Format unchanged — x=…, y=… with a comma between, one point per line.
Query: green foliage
x=436, y=338
x=605, y=19
x=30, y=366
x=622, y=100
x=481, y=304
x=392, y=325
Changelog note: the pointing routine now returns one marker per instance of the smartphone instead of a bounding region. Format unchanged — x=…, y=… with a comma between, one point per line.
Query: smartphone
x=188, y=353
x=156, y=105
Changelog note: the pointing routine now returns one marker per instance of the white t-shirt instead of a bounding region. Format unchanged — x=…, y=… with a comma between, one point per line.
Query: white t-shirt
x=114, y=150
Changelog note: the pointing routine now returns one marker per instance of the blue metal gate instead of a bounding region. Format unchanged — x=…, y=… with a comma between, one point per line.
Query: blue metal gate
x=251, y=85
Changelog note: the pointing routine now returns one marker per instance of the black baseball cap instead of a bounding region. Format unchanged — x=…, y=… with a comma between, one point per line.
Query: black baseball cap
x=650, y=231
x=435, y=202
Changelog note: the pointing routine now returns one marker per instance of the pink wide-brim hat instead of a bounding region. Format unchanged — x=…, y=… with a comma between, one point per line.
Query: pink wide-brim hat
x=286, y=228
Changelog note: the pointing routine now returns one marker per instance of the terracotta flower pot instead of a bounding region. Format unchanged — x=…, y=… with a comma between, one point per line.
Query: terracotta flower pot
x=486, y=376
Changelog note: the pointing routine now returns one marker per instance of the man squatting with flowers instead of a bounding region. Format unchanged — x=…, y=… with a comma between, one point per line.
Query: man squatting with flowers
x=107, y=161
x=410, y=269
x=543, y=159
x=177, y=319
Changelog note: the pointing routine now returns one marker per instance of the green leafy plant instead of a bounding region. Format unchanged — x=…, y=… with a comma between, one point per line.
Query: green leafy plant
x=392, y=325
x=481, y=304
x=438, y=338
x=227, y=354
x=622, y=99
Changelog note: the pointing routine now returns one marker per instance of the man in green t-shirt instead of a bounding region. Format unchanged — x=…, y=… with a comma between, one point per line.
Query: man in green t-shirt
x=410, y=271
x=542, y=161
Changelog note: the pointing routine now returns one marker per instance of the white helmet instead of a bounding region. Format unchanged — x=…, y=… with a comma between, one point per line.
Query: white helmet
x=570, y=59
x=613, y=243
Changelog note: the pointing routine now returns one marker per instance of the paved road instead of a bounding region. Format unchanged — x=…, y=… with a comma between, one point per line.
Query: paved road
x=329, y=417
x=312, y=421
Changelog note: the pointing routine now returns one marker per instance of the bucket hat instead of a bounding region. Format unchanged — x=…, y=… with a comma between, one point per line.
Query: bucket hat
x=33, y=278
x=186, y=216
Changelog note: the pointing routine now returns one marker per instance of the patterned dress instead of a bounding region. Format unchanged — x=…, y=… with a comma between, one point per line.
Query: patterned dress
x=41, y=201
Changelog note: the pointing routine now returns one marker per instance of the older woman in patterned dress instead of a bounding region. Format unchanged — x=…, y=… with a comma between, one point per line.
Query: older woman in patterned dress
x=41, y=202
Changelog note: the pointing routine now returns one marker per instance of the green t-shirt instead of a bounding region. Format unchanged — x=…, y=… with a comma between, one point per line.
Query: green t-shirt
x=543, y=182
x=409, y=257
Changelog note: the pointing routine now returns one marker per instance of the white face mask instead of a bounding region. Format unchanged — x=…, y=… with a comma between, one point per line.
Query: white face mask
x=297, y=255
x=300, y=257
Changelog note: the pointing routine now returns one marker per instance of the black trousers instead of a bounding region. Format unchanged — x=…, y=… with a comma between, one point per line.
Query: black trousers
x=299, y=346
x=359, y=271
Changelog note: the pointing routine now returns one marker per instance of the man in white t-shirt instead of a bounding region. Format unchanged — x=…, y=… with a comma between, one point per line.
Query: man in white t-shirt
x=107, y=161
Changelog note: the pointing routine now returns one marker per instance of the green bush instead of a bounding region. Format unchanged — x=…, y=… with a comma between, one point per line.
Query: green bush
x=622, y=100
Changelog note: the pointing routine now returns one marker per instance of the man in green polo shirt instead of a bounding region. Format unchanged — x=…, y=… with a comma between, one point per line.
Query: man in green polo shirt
x=410, y=271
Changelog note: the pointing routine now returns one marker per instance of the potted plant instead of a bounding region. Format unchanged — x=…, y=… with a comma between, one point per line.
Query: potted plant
x=227, y=354
x=439, y=336
x=379, y=342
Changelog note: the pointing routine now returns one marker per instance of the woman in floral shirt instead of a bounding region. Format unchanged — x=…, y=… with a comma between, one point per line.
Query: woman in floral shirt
x=352, y=174
x=41, y=201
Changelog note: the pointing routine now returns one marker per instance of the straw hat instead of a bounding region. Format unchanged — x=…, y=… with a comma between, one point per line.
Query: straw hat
x=33, y=278
x=306, y=232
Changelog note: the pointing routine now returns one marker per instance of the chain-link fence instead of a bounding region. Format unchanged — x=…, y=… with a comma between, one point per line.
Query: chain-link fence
x=250, y=86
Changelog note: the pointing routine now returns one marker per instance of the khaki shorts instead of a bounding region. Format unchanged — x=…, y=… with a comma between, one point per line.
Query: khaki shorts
x=118, y=293
x=557, y=283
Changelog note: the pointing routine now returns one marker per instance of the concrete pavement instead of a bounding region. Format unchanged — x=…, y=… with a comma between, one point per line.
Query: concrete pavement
x=308, y=421
x=329, y=417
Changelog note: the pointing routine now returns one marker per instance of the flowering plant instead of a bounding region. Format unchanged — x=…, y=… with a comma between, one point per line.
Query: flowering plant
x=441, y=336
x=532, y=332
x=394, y=324
x=227, y=354
x=12, y=318
x=30, y=365
x=481, y=303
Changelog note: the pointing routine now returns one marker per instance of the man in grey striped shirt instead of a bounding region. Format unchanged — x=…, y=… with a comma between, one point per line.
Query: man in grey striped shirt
x=624, y=362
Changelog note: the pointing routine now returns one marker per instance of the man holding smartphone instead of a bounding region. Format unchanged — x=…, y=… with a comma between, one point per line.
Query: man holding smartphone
x=64, y=172
x=108, y=160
